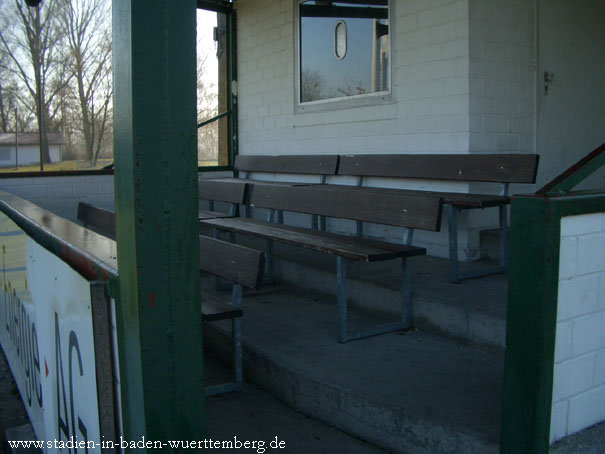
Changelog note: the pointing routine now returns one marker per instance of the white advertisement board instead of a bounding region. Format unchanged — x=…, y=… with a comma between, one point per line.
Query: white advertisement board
x=46, y=333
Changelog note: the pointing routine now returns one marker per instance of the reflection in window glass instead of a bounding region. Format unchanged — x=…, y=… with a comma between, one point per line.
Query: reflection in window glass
x=344, y=49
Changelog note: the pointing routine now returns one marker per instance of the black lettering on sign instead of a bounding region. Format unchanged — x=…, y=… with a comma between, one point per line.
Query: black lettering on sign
x=23, y=335
x=63, y=401
x=63, y=426
x=36, y=357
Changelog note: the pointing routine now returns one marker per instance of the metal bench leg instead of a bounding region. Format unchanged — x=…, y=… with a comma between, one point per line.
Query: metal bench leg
x=322, y=223
x=341, y=280
x=236, y=333
x=406, y=313
x=503, y=237
x=453, y=242
x=270, y=263
x=211, y=205
x=280, y=216
x=236, y=329
x=359, y=228
x=218, y=282
x=455, y=275
x=270, y=268
x=406, y=294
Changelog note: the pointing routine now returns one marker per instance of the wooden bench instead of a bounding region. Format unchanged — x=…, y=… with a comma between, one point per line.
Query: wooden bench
x=244, y=268
x=245, y=166
x=408, y=211
x=492, y=168
x=98, y=220
x=218, y=190
x=240, y=265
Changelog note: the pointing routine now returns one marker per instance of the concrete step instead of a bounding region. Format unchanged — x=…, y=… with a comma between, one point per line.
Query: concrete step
x=254, y=415
x=404, y=392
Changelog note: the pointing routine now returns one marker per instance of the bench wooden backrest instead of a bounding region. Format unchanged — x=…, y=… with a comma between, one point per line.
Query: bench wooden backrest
x=502, y=168
x=302, y=164
x=412, y=211
x=97, y=219
x=222, y=191
x=235, y=263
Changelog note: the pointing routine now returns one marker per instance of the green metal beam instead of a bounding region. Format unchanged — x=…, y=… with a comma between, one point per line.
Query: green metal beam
x=232, y=90
x=532, y=315
x=155, y=143
x=576, y=173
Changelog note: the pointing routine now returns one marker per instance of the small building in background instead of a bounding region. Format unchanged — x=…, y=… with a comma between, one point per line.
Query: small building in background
x=24, y=148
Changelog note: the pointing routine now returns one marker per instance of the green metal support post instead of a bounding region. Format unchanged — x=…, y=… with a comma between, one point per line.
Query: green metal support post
x=155, y=142
x=531, y=323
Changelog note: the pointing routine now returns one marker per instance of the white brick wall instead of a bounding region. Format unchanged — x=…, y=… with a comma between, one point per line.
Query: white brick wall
x=429, y=107
x=503, y=65
x=579, y=373
x=61, y=195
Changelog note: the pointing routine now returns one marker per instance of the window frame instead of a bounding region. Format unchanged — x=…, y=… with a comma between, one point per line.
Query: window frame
x=343, y=102
x=225, y=7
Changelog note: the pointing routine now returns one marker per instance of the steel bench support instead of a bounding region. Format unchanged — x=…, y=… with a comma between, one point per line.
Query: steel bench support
x=343, y=334
x=236, y=332
x=455, y=275
x=270, y=255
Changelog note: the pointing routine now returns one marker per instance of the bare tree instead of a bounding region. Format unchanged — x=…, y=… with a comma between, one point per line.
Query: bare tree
x=5, y=98
x=88, y=37
x=207, y=108
x=31, y=39
x=311, y=85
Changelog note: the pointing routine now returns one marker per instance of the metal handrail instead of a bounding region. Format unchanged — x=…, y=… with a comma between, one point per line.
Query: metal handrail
x=213, y=119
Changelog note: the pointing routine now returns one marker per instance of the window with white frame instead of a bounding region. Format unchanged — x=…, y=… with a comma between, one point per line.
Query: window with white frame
x=343, y=50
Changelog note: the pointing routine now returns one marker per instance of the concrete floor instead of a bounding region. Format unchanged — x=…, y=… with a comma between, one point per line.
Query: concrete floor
x=254, y=414
x=404, y=391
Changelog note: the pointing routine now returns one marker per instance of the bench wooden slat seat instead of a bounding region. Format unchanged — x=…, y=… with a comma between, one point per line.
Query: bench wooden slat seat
x=240, y=265
x=458, y=199
x=359, y=249
x=231, y=261
x=504, y=168
x=408, y=211
x=489, y=168
x=207, y=214
x=221, y=190
x=215, y=311
x=244, y=181
x=294, y=164
x=98, y=220
x=390, y=208
x=245, y=165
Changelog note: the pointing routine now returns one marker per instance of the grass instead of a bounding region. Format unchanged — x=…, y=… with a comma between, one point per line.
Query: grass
x=64, y=166
x=67, y=166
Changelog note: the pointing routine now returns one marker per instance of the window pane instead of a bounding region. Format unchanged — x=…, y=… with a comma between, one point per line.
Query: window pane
x=344, y=49
x=212, y=88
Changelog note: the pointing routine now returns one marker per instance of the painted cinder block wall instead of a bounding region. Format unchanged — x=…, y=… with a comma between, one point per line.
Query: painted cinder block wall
x=578, y=399
x=453, y=91
x=61, y=195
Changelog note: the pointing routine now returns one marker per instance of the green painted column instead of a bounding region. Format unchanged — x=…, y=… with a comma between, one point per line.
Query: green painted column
x=155, y=146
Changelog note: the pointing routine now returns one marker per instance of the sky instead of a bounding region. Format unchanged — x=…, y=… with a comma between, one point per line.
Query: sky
x=206, y=21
